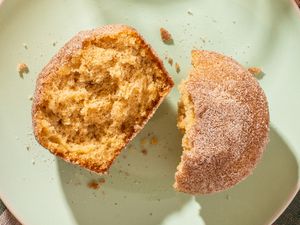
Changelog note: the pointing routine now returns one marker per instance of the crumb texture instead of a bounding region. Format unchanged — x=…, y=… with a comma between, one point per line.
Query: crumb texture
x=224, y=115
x=93, y=104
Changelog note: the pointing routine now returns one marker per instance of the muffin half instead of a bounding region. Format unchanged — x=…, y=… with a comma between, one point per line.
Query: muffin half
x=223, y=113
x=96, y=94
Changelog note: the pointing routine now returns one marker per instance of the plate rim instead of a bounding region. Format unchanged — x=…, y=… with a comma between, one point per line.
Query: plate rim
x=276, y=215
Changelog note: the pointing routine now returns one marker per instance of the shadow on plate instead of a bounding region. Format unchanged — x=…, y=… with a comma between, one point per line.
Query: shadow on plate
x=139, y=183
x=257, y=199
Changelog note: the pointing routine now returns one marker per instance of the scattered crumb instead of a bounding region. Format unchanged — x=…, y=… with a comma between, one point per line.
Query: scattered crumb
x=150, y=214
x=166, y=36
x=203, y=40
x=154, y=140
x=116, y=203
x=228, y=197
x=33, y=162
x=93, y=185
x=27, y=147
x=54, y=43
x=124, y=156
x=170, y=61
x=255, y=71
x=25, y=45
x=101, y=180
x=177, y=67
x=22, y=68
x=143, y=141
x=30, y=97
x=144, y=151
x=190, y=12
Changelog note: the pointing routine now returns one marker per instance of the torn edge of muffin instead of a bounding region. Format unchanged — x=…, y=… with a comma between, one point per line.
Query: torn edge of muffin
x=185, y=121
x=186, y=115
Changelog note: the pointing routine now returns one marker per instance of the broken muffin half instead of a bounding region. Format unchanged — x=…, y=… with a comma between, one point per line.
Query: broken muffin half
x=224, y=116
x=96, y=94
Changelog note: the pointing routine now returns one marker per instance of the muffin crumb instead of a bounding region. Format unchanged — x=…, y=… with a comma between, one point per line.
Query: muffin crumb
x=154, y=140
x=255, y=71
x=190, y=12
x=166, y=36
x=101, y=180
x=177, y=67
x=22, y=68
x=93, y=185
x=25, y=46
x=143, y=141
x=144, y=151
x=170, y=61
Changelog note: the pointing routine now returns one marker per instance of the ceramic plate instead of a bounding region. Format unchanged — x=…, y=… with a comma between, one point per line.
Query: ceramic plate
x=42, y=189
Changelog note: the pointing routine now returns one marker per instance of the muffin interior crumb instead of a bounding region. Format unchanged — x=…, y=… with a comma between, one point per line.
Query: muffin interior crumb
x=186, y=115
x=96, y=102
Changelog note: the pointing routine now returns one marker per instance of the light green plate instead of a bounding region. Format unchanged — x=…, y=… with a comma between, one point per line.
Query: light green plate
x=41, y=189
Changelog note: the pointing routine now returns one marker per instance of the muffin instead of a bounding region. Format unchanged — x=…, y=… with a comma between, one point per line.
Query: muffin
x=96, y=94
x=223, y=113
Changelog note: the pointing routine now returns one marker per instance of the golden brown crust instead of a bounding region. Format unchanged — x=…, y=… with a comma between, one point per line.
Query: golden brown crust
x=230, y=131
x=63, y=57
